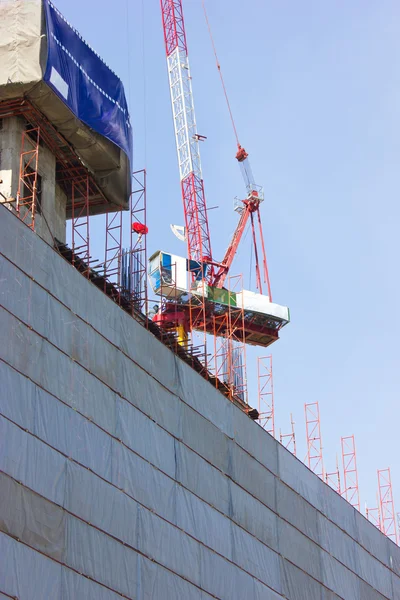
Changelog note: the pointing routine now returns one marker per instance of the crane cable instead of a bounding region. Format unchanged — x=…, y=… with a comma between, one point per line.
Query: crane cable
x=220, y=73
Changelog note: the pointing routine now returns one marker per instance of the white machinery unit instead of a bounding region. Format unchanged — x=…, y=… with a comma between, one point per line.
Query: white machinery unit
x=168, y=274
x=257, y=303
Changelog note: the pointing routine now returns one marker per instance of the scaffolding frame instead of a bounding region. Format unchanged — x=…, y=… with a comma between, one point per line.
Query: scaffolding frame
x=84, y=195
x=314, y=441
x=80, y=221
x=374, y=516
x=350, y=472
x=333, y=478
x=229, y=358
x=266, y=405
x=138, y=243
x=290, y=438
x=113, y=251
x=386, y=505
x=28, y=176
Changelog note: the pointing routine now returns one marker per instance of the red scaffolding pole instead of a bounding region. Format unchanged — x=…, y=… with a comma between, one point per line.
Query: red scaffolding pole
x=289, y=439
x=386, y=505
x=350, y=473
x=314, y=441
x=266, y=408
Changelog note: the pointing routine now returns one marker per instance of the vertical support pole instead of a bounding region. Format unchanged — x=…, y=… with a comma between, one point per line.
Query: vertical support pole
x=290, y=438
x=80, y=221
x=229, y=346
x=266, y=407
x=27, y=194
x=138, y=245
x=237, y=356
x=314, y=442
x=265, y=265
x=220, y=362
x=386, y=505
x=398, y=525
x=258, y=274
x=198, y=316
x=113, y=250
x=333, y=479
x=374, y=516
x=350, y=473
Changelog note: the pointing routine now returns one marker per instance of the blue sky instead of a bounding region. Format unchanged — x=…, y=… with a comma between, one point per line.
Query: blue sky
x=315, y=91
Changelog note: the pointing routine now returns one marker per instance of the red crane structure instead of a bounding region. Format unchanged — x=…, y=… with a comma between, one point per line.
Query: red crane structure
x=187, y=144
x=261, y=319
x=186, y=136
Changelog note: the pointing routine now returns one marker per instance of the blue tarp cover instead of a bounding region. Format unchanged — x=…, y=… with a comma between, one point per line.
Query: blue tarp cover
x=84, y=82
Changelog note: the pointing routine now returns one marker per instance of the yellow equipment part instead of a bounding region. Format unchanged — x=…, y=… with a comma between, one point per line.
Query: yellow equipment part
x=182, y=335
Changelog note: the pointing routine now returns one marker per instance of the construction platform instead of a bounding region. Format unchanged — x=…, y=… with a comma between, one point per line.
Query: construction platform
x=257, y=320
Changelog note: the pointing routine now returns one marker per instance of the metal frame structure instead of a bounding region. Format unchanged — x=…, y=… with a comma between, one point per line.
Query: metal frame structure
x=350, y=474
x=138, y=243
x=290, y=438
x=247, y=209
x=266, y=406
x=186, y=137
x=28, y=175
x=333, y=478
x=229, y=359
x=374, y=516
x=113, y=250
x=314, y=442
x=190, y=172
x=80, y=220
x=386, y=505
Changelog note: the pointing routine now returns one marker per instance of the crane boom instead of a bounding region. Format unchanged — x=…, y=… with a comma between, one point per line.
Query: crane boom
x=186, y=136
x=222, y=272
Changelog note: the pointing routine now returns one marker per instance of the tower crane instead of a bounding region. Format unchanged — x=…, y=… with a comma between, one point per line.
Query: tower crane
x=186, y=136
x=263, y=319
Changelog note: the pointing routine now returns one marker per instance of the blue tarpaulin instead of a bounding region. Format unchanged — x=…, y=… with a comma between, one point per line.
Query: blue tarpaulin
x=84, y=82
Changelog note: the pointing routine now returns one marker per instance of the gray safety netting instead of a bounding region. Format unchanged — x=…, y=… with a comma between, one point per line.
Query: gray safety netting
x=123, y=473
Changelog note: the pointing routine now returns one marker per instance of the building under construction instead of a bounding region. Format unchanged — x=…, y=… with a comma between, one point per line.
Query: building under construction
x=131, y=463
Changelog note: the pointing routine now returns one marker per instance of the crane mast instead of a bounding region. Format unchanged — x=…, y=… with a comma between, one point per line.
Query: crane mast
x=186, y=136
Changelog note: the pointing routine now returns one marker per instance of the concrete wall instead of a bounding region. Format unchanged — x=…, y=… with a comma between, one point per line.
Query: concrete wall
x=52, y=221
x=125, y=474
